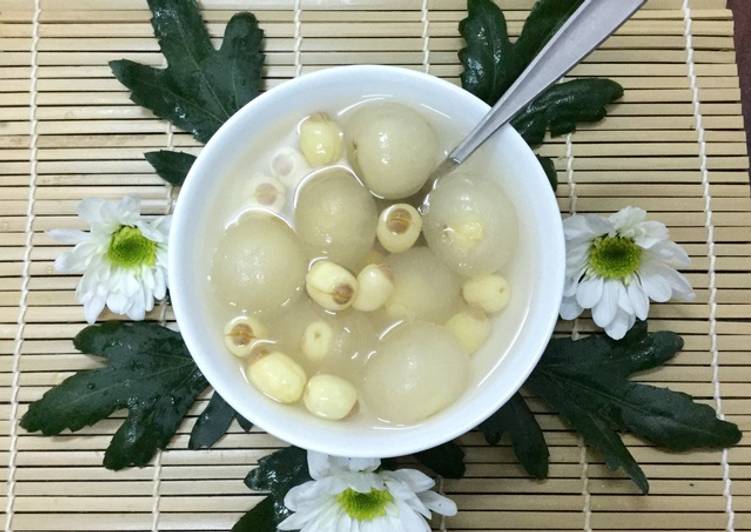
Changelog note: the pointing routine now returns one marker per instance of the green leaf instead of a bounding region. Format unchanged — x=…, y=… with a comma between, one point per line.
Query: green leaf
x=213, y=423
x=488, y=58
x=261, y=518
x=201, y=87
x=279, y=472
x=172, y=166
x=541, y=24
x=586, y=381
x=526, y=435
x=244, y=423
x=562, y=106
x=446, y=460
x=549, y=167
x=491, y=62
x=594, y=429
x=148, y=371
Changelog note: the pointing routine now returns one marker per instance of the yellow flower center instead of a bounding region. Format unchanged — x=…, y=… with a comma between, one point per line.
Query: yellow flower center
x=614, y=257
x=364, y=506
x=130, y=249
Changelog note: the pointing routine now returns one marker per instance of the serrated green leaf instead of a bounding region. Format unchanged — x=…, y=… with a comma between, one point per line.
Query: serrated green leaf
x=549, y=167
x=446, y=460
x=201, y=87
x=172, y=166
x=148, y=371
x=672, y=420
x=488, y=57
x=562, y=106
x=491, y=62
x=637, y=351
x=527, y=438
x=280, y=471
x=586, y=381
x=595, y=431
x=213, y=423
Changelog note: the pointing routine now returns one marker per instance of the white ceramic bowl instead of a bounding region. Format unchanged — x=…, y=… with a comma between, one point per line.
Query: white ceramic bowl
x=499, y=369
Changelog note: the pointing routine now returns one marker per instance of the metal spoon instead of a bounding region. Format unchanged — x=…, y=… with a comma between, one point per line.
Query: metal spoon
x=592, y=23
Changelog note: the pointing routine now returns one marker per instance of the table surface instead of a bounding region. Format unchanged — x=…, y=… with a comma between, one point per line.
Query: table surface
x=675, y=145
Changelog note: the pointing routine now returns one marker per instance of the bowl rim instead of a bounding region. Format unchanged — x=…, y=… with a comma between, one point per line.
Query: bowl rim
x=413, y=438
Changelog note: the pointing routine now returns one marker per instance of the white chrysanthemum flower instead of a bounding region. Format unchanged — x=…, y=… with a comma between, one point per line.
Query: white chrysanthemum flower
x=349, y=494
x=122, y=257
x=615, y=265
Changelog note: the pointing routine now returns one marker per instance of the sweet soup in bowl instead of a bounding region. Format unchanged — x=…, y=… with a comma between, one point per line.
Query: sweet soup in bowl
x=364, y=309
x=346, y=290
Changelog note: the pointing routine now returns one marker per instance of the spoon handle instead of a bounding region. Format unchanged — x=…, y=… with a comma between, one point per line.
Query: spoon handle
x=584, y=31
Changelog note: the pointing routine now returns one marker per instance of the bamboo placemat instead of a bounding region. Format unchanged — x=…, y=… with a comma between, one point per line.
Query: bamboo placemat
x=674, y=145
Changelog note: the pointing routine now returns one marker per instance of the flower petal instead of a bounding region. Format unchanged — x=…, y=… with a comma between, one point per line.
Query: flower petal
x=319, y=464
x=627, y=218
x=90, y=210
x=570, y=309
x=639, y=299
x=67, y=236
x=362, y=464
x=416, y=480
x=438, y=503
x=93, y=307
x=620, y=325
x=670, y=253
x=585, y=226
x=655, y=284
x=72, y=261
x=604, y=311
x=325, y=512
x=649, y=234
x=589, y=292
x=624, y=302
x=412, y=521
x=681, y=288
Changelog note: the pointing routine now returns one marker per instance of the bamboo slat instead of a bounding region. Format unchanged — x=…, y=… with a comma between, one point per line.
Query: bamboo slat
x=674, y=145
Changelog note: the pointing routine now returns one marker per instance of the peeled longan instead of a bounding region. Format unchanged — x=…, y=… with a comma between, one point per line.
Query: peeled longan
x=393, y=148
x=259, y=264
x=419, y=369
x=424, y=287
x=470, y=225
x=336, y=216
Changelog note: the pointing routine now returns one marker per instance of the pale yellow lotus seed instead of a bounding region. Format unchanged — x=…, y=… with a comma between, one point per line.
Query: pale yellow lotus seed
x=317, y=339
x=399, y=227
x=289, y=166
x=489, y=292
x=331, y=286
x=242, y=333
x=321, y=140
x=330, y=397
x=278, y=376
x=267, y=192
x=471, y=327
x=376, y=286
